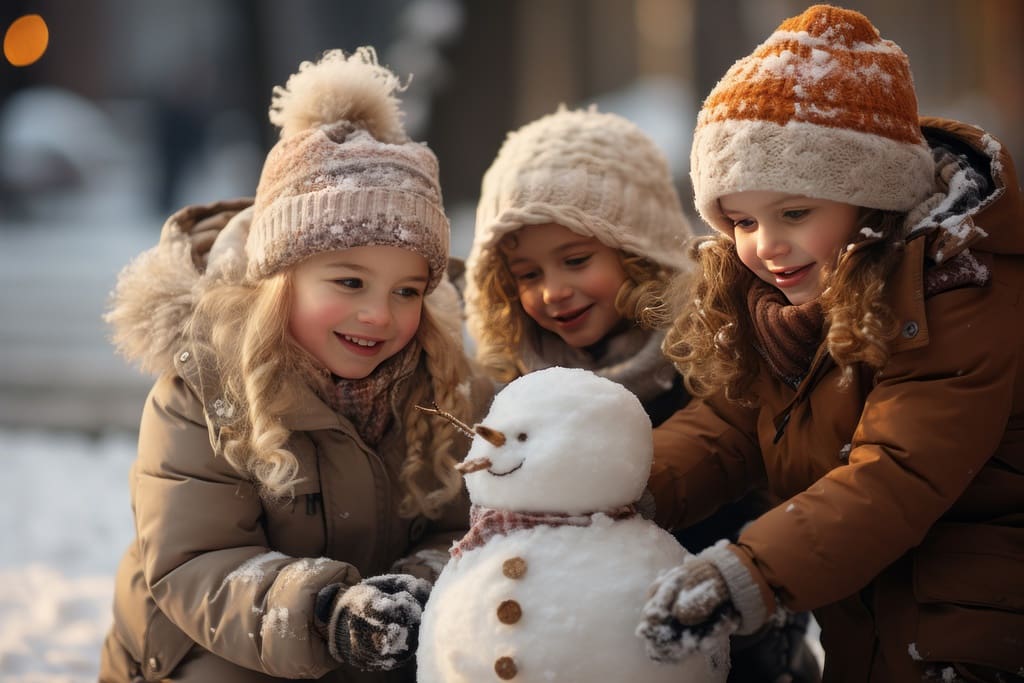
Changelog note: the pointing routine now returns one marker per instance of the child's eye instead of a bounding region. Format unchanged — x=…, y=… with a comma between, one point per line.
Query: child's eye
x=527, y=275
x=577, y=260
x=408, y=292
x=744, y=223
x=350, y=282
x=795, y=214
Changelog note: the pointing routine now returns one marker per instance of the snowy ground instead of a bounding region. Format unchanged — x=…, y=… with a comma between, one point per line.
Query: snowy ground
x=65, y=519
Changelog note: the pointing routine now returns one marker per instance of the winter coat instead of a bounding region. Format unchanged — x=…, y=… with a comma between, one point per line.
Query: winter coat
x=902, y=521
x=215, y=568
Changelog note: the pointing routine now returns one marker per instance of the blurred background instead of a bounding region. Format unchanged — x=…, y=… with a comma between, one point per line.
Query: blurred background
x=113, y=113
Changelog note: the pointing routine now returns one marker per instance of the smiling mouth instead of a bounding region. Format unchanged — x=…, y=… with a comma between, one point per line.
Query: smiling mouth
x=358, y=341
x=507, y=472
x=572, y=315
x=791, y=272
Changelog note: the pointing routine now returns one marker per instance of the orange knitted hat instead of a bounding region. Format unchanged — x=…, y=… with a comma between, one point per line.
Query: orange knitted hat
x=823, y=108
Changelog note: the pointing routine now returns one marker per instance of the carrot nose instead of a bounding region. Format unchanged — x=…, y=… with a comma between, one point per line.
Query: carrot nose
x=474, y=465
x=492, y=436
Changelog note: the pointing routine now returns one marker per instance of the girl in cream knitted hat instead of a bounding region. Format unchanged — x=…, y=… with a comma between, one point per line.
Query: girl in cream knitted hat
x=578, y=231
x=855, y=336
x=286, y=488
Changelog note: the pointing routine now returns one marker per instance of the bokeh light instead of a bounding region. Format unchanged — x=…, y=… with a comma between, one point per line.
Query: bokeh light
x=26, y=39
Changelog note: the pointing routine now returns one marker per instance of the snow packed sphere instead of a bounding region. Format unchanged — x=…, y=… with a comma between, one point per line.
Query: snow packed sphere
x=571, y=442
x=552, y=603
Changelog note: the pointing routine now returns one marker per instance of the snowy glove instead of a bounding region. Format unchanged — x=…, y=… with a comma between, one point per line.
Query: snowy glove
x=688, y=611
x=425, y=564
x=696, y=606
x=374, y=625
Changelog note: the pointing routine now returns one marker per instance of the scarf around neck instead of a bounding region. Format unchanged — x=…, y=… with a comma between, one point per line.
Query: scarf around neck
x=788, y=336
x=632, y=358
x=367, y=402
x=486, y=523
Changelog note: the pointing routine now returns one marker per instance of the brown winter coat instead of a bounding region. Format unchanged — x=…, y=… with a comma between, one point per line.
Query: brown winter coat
x=902, y=521
x=215, y=568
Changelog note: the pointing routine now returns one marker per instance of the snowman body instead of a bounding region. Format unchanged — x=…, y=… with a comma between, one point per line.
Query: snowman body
x=554, y=590
x=550, y=603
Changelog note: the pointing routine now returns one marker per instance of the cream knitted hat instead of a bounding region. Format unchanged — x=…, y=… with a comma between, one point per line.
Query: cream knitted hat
x=823, y=108
x=344, y=174
x=594, y=173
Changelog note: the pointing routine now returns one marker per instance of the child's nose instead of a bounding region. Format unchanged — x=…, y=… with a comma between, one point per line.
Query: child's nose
x=770, y=244
x=374, y=312
x=556, y=289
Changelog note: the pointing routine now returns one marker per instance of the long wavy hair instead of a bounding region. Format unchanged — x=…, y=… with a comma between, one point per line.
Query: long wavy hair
x=711, y=337
x=502, y=321
x=261, y=366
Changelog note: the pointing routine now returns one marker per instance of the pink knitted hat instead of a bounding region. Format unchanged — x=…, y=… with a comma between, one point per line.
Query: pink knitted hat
x=344, y=174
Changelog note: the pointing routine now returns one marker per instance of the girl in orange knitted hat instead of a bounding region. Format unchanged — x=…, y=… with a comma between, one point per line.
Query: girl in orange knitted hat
x=855, y=338
x=290, y=502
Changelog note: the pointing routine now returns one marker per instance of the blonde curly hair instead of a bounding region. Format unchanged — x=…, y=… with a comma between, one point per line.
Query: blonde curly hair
x=261, y=372
x=502, y=321
x=711, y=337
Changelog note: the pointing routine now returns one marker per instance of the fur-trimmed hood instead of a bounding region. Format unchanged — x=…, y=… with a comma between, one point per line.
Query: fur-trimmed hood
x=156, y=294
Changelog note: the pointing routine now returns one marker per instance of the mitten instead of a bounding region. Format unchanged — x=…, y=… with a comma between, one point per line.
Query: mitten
x=425, y=564
x=696, y=606
x=373, y=625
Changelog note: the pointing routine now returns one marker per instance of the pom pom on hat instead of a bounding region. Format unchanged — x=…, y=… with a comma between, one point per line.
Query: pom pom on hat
x=338, y=88
x=823, y=108
x=344, y=173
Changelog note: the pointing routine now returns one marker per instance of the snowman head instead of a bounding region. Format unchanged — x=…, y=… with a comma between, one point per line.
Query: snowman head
x=560, y=440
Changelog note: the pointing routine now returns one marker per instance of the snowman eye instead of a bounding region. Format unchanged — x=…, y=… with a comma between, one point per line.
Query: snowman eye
x=521, y=436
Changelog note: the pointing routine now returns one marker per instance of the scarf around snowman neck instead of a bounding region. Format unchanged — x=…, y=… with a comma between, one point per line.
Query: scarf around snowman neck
x=486, y=523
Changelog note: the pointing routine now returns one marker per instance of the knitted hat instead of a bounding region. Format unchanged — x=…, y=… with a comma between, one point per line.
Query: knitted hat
x=824, y=108
x=344, y=174
x=595, y=173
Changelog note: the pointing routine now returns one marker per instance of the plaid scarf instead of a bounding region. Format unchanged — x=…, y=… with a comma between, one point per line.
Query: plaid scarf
x=367, y=402
x=486, y=523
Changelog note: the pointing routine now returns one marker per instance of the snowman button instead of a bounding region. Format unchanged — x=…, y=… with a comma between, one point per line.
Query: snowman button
x=509, y=612
x=514, y=568
x=505, y=668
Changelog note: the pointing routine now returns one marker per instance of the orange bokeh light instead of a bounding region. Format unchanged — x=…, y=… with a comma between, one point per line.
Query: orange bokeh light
x=26, y=40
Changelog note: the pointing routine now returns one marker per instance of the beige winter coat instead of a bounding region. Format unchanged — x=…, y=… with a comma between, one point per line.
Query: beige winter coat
x=902, y=521
x=216, y=569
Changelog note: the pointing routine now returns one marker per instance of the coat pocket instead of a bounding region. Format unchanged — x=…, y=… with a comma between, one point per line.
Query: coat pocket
x=969, y=584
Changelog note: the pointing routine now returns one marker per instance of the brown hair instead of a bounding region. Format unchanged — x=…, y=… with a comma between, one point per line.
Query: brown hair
x=711, y=337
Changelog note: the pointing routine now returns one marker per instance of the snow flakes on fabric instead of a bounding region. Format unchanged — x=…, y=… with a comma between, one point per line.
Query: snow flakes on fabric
x=275, y=623
x=252, y=570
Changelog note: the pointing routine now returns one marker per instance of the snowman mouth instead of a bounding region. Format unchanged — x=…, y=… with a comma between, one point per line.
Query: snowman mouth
x=506, y=472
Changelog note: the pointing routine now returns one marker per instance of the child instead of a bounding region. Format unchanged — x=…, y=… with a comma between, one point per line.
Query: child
x=856, y=335
x=281, y=458
x=579, y=230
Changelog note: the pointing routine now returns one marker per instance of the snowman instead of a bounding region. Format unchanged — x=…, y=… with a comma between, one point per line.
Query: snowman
x=550, y=581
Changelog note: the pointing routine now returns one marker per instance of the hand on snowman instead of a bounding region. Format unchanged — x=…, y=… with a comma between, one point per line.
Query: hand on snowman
x=695, y=608
x=373, y=625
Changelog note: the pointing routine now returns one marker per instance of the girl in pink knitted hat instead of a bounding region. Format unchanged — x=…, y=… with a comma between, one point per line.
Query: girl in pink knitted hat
x=291, y=504
x=855, y=338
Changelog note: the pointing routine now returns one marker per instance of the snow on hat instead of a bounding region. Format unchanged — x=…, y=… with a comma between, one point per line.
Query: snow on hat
x=344, y=174
x=594, y=173
x=823, y=108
